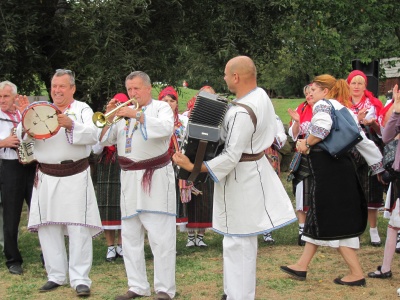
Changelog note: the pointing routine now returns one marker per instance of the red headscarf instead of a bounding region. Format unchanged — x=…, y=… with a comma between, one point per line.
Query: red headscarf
x=169, y=90
x=367, y=94
x=121, y=97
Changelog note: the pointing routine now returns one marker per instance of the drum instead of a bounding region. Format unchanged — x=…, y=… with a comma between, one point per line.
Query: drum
x=39, y=120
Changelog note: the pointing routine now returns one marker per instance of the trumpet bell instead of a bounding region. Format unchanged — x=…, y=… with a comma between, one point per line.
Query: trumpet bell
x=99, y=119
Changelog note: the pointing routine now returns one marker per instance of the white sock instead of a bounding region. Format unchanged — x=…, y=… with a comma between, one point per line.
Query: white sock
x=373, y=232
x=111, y=251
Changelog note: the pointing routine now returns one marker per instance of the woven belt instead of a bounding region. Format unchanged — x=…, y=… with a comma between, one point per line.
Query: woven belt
x=251, y=157
x=67, y=168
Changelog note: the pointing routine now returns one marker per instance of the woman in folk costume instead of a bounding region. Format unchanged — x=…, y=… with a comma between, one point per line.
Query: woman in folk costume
x=301, y=183
x=199, y=209
x=367, y=109
x=183, y=193
x=389, y=120
x=109, y=193
x=337, y=192
x=391, y=193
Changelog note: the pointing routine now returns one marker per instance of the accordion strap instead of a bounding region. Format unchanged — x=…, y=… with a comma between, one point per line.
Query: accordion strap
x=250, y=111
x=201, y=150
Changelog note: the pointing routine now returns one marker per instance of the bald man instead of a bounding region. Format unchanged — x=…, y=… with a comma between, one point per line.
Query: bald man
x=249, y=198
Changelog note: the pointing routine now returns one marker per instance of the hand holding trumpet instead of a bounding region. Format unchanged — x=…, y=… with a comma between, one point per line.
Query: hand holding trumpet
x=115, y=113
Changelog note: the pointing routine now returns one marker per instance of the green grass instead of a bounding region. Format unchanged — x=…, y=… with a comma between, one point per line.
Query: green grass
x=199, y=270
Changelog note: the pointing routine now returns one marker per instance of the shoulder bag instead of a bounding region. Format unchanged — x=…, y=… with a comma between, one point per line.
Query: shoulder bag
x=344, y=133
x=389, y=153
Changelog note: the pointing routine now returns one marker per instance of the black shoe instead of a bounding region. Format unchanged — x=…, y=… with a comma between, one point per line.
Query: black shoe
x=15, y=269
x=49, y=286
x=300, y=275
x=376, y=244
x=380, y=275
x=300, y=242
x=360, y=282
x=82, y=290
x=224, y=297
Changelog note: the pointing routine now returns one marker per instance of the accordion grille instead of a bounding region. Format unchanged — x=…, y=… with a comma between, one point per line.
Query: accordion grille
x=209, y=112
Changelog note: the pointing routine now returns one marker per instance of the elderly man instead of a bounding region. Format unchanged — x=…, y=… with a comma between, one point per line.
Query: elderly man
x=63, y=199
x=148, y=200
x=16, y=179
x=249, y=198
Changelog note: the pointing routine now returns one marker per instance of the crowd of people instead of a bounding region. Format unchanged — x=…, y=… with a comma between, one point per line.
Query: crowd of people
x=132, y=189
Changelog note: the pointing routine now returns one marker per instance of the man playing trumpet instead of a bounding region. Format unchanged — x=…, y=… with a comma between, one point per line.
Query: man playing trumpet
x=148, y=199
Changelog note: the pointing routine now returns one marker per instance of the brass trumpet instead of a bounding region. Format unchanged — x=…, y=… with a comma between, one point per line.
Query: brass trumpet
x=100, y=120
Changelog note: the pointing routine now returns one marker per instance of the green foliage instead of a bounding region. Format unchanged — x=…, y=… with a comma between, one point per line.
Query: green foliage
x=290, y=41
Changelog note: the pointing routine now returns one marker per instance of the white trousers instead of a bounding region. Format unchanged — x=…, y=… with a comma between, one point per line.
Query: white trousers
x=161, y=232
x=240, y=259
x=52, y=242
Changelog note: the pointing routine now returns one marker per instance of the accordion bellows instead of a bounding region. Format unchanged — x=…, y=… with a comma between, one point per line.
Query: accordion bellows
x=204, y=125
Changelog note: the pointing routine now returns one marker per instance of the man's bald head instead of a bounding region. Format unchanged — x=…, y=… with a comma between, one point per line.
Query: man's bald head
x=243, y=66
x=240, y=75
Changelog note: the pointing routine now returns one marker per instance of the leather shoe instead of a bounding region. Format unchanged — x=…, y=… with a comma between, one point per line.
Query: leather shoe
x=128, y=295
x=380, y=275
x=82, y=290
x=300, y=275
x=162, y=296
x=49, y=286
x=224, y=297
x=376, y=244
x=300, y=242
x=15, y=269
x=360, y=282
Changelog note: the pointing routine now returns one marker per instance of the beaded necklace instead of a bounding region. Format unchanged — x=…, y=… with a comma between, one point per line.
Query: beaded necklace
x=128, y=138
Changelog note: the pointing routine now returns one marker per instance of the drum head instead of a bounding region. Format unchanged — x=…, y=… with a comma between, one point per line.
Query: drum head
x=40, y=120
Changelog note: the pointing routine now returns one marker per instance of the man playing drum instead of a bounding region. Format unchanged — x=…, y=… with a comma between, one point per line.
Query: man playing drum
x=16, y=179
x=63, y=199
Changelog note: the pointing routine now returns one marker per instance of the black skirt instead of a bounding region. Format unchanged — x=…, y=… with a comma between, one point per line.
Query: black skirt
x=338, y=208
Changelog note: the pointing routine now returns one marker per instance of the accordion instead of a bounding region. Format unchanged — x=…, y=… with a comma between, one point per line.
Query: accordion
x=202, y=137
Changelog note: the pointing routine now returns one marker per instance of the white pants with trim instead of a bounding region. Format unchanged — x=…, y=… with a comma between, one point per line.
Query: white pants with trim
x=161, y=232
x=52, y=241
x=240, y=260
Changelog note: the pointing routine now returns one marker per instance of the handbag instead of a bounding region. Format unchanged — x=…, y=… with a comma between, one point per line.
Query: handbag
x=389, y=153
x=294, y=165
x=344, y=133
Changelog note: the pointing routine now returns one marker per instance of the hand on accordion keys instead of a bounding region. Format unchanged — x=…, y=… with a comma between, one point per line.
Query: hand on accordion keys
x=182, y=161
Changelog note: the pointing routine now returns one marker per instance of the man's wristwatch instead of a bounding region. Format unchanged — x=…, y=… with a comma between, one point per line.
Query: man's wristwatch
x=138, y=115
x=307, y=144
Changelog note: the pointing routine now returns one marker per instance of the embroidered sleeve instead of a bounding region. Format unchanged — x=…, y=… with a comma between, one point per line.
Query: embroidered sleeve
x=377, y=168
x=321, y=121
x=70, y=133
